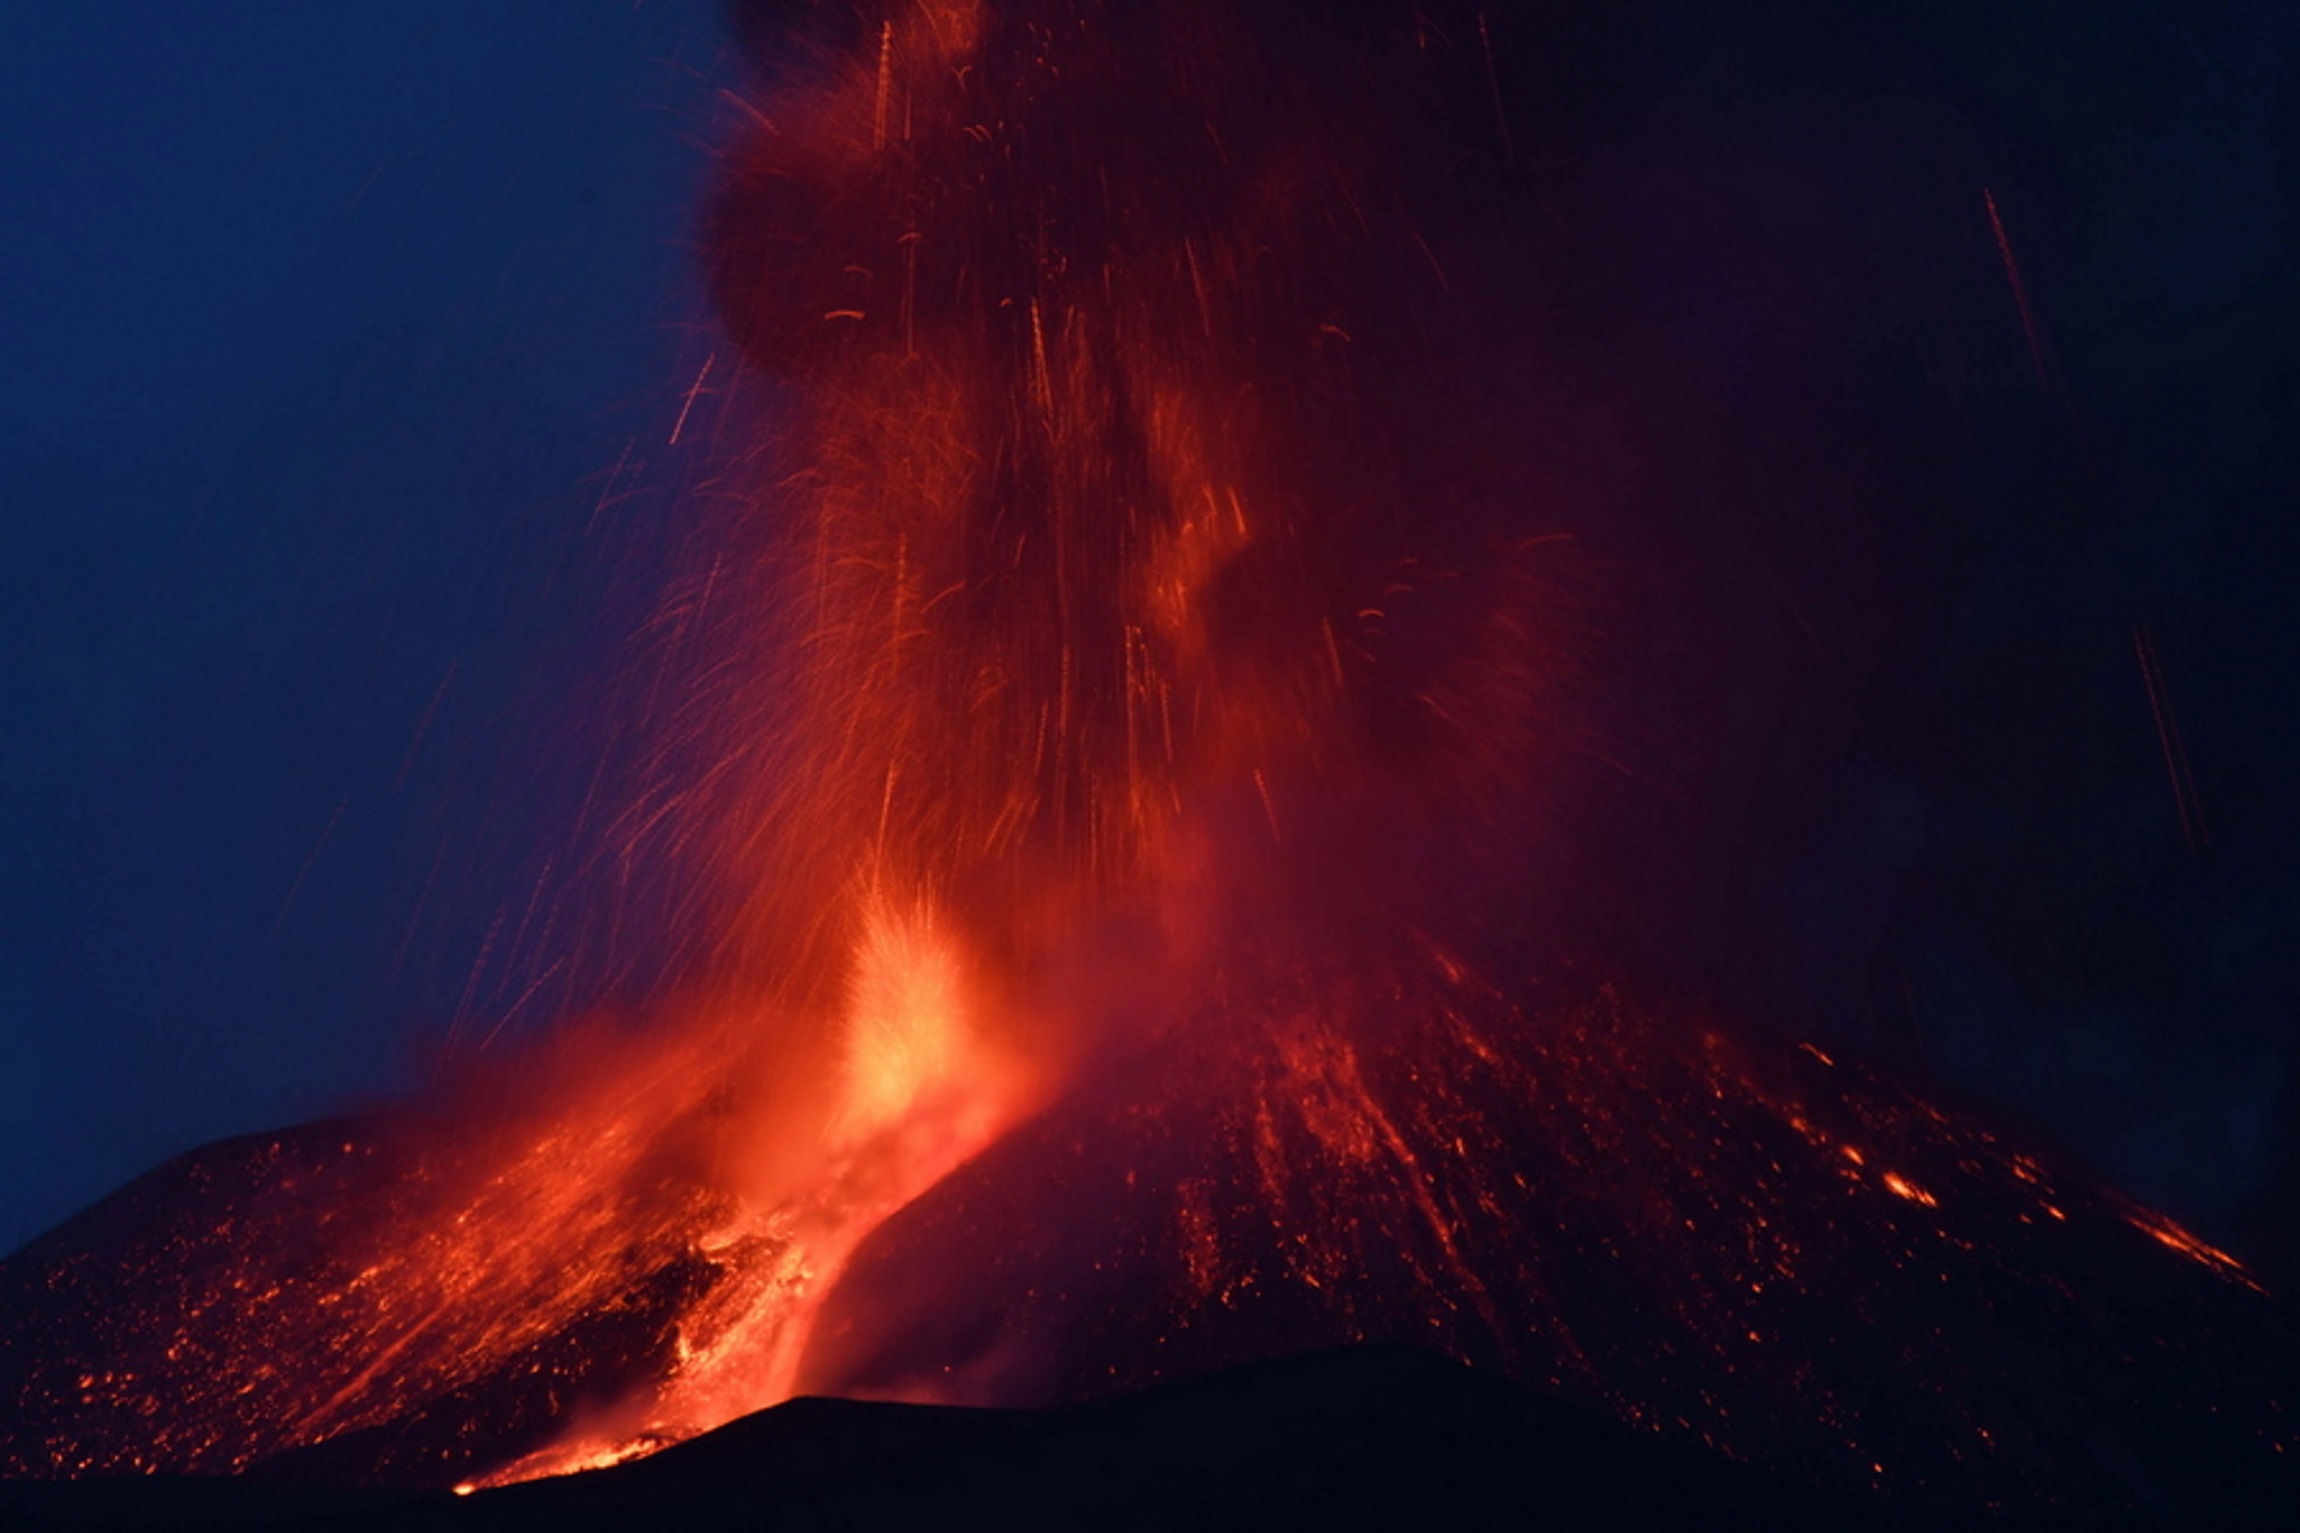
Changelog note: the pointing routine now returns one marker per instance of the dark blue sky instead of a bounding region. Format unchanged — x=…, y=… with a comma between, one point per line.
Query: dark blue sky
x=324, y=324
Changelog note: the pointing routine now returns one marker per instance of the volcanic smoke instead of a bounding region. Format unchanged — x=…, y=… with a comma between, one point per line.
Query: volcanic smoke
x=1132, y=703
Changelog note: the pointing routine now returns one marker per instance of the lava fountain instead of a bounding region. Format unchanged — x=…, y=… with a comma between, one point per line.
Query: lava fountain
x=1118, y=797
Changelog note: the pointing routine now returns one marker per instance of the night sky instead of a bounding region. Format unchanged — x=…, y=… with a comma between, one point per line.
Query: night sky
x=329, y=328
x=326, y=328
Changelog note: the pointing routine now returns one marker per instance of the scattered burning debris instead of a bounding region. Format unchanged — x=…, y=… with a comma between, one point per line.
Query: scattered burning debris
x=1121, y=782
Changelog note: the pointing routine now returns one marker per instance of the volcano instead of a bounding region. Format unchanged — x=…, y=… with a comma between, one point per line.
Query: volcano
x=1121, y=765
x=1755, y=1249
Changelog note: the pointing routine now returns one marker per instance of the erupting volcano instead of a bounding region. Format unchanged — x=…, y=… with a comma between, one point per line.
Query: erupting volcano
x=1118, y=780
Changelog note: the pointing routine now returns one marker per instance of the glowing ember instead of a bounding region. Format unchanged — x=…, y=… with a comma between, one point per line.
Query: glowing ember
x=2174, y=1238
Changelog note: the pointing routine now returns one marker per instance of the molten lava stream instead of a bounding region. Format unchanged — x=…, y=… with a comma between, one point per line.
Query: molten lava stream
x=920, y=1086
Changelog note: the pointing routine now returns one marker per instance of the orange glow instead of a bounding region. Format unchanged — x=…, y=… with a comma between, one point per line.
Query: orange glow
x=908, y=1032
x=1901, y=1187
x=2173, y=1238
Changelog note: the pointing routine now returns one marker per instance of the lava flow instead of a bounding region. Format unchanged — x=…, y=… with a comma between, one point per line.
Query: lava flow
x=1119, y=801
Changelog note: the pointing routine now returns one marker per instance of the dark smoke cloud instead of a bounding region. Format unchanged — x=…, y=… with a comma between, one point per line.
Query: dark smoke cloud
x=1880, y=763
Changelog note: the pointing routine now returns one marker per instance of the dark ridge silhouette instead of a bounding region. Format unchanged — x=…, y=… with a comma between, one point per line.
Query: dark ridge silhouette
x=1366, y=1438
